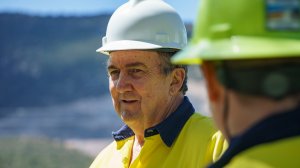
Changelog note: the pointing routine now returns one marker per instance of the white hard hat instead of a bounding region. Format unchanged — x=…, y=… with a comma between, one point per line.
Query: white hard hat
x=144, y=24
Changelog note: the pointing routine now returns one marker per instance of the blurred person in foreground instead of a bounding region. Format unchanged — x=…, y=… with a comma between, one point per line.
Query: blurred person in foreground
x=148, y=93
x=249, y=51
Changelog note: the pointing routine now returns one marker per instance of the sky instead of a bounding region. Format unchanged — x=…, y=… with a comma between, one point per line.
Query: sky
x=187, y=9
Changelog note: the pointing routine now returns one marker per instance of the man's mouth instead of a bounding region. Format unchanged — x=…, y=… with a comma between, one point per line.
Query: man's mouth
x=128, y=101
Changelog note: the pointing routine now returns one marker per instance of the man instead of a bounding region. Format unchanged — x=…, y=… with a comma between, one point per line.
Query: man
x=249, y=53
x=162, y=129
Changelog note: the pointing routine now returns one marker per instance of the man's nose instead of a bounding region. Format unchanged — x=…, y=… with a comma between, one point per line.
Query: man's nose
x=123, y=83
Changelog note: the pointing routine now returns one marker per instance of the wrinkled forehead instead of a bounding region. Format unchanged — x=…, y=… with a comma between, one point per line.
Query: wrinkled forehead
x=123, y=58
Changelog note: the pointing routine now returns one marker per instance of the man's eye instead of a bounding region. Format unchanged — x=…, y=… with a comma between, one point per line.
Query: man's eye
x=113, y=72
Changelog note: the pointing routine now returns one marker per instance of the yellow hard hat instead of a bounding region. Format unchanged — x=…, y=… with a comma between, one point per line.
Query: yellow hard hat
x=244, y=29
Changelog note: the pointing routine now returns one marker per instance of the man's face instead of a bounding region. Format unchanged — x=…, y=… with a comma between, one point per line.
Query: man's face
x=139, y=90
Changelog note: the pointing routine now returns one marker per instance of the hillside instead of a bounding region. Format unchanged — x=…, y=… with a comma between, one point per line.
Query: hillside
x=50, y=60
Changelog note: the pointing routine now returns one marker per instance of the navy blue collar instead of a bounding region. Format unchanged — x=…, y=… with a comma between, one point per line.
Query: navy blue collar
x=123, y=133
x=279, y=126
x=168, y=129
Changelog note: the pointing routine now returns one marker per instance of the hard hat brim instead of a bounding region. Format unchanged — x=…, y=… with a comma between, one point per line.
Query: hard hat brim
x=189, y=55
x=132, y=45
x=238, y=48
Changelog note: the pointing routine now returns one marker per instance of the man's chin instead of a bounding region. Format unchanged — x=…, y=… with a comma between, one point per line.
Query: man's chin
x=128, y=117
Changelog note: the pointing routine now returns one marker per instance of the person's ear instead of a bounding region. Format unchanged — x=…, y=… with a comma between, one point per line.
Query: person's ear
x=212, y=84
x=178, y=76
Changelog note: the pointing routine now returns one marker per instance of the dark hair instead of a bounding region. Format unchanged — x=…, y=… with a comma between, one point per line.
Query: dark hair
x=167, y=67
x=272, y=78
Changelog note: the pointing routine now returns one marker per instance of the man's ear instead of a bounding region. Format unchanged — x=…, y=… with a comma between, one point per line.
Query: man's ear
x=178, y=75
x=212, y=84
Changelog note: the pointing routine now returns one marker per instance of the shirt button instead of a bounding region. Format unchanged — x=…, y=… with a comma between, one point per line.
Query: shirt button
x=149, y=131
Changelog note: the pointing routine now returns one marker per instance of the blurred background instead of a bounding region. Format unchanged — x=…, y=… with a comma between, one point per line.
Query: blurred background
x=54, y=98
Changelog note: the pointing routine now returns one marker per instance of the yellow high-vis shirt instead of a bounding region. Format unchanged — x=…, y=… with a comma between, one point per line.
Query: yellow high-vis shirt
x=184, y=140
x=282, y=153
x=273, y=142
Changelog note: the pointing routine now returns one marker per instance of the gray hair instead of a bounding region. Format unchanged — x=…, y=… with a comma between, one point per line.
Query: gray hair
x=167, y=67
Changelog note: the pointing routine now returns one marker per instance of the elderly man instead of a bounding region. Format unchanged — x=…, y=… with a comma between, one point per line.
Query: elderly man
x=162, y=128
x=250, y=55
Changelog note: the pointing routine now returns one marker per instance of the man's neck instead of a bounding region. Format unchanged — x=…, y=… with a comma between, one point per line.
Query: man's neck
x=243, y=116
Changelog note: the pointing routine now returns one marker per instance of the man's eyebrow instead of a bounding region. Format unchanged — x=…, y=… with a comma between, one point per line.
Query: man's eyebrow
x=135, y=64
x=111, y=67
x=130, y=65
